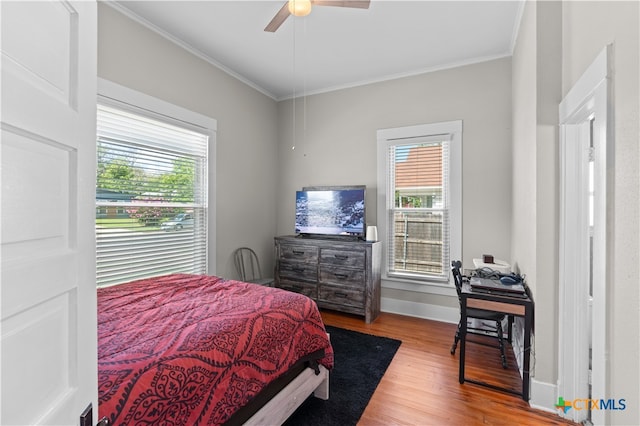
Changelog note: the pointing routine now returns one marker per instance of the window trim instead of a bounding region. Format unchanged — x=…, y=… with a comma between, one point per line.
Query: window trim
x=110, y=93
x=451, y=130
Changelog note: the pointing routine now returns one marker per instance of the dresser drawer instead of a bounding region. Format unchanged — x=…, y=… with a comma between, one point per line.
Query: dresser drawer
x=300, y=253
x=342, y=276
x=341, y=295
x=309, y=290
x=299, y=270
x=342, y=257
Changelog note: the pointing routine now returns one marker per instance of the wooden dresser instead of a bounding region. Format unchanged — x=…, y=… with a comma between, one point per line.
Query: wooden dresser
x=342, y=275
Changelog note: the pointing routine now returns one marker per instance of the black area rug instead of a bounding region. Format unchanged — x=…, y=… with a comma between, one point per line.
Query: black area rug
x=360, y=362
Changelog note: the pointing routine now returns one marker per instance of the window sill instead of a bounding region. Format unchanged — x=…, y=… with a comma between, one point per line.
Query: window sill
x=430, y=287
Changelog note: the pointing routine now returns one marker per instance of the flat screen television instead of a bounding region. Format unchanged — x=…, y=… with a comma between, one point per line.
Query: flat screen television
x=331, y=211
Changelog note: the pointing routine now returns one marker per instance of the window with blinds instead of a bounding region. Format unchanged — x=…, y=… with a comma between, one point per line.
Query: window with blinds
x=418, y=218
x=151, y=197
x=420, y=221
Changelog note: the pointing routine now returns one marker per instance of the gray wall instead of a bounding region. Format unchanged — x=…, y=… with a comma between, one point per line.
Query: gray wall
x=335, y=144
x=556, y=43
x=536, y=96
x=258, y=172
x=134, y=56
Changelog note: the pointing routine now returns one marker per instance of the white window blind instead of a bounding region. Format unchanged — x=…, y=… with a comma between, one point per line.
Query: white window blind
x=418, y=207
x=420, y=203
x=151, y=197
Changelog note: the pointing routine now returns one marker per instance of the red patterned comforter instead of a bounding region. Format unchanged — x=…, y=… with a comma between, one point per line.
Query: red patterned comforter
x=192, y=349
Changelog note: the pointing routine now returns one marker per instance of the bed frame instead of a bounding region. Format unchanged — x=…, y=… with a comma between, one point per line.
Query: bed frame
x=281, y=406
x=285, y=402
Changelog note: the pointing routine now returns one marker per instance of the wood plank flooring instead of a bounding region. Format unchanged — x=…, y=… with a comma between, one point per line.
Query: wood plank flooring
x=421, y=385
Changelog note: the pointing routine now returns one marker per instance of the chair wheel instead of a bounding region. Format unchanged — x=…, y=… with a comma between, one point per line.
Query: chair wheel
x=504, y=364
x=453, y=350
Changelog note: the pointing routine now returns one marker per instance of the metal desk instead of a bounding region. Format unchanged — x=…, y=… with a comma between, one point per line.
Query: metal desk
x=506, y=304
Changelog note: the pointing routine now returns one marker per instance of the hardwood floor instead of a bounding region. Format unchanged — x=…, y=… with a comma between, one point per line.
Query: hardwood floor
x=421, y=385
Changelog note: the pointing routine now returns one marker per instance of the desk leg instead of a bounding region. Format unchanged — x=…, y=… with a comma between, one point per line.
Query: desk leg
x=528, y=320
x=463, y=337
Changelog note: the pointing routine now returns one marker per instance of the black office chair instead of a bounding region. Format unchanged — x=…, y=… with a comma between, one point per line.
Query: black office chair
x=248, y=267
x=479, y=314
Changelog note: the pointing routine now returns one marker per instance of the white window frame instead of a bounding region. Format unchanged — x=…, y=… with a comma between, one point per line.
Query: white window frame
x=110, y=93
x=452, y=131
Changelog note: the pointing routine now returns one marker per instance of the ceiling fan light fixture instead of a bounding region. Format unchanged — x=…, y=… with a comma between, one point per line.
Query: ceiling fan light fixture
x=300, y=7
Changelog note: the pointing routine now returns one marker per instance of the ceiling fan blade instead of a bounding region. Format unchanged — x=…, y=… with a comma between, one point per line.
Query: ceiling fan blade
x=359, y=4
x=277, y=20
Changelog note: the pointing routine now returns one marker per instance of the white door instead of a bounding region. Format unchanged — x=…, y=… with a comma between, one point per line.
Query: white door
x=48, y=308
x=584, y=139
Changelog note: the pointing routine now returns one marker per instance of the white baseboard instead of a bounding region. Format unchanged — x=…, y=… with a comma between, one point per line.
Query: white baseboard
x=420, y=310
x=543, y=396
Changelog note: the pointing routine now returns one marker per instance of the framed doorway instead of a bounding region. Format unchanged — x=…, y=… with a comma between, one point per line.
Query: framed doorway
x=585, y=140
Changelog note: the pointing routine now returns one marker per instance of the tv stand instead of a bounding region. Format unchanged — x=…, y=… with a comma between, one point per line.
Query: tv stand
x=339, y=273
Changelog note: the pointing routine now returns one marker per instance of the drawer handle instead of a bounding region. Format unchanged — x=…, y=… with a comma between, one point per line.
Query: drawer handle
x=341, y=295
x=341, y=256
x=297, y=252
x=341, y=275
x=297, y=270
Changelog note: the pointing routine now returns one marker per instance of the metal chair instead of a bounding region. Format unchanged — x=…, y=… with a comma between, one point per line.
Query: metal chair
x=494, y=331
x=248, y=267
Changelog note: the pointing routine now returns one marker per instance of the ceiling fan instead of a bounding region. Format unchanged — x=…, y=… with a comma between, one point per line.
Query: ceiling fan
x=303, y=8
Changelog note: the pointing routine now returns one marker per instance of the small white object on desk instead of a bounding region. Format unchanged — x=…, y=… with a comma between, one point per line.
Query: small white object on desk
x=497, y=265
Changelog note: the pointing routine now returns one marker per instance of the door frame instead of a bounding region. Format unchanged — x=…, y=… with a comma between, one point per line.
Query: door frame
x=582, y=324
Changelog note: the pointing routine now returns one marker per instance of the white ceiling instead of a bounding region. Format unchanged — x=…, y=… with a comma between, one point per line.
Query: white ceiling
x=333, y=47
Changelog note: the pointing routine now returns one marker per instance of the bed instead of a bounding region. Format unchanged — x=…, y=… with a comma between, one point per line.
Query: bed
x=194, y=349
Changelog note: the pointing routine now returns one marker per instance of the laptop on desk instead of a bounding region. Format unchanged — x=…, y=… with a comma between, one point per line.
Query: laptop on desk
x=487, y=284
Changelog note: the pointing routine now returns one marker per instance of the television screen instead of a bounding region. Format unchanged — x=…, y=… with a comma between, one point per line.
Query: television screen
x=330, y=212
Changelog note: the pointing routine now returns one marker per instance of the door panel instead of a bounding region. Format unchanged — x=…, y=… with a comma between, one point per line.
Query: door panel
x=43, y=53
x=36, y=225
x=49, y=361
